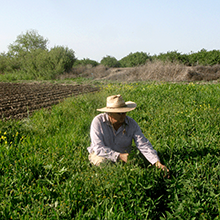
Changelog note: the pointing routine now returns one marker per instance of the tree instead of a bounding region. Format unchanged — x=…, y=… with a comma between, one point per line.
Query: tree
x=85, y=62
x=134, y=59
x=63, y=57
x=3, y=62
x=204, y=57
x=29, y=56
x=27, y=42
x=110, y=61
x=173, y=56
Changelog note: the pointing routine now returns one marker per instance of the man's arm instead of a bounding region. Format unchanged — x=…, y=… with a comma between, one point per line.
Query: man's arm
x=144, y=145
x=146, y=148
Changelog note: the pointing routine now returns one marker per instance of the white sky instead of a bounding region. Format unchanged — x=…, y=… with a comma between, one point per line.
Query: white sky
x=97, y=28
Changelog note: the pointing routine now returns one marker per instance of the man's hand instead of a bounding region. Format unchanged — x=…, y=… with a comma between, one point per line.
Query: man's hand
x=158, y=164
x=123, y=157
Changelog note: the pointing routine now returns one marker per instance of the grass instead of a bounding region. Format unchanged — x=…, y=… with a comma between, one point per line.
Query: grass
x=45, y=172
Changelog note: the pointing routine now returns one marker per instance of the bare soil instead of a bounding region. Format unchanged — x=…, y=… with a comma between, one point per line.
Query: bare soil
x=18, y=100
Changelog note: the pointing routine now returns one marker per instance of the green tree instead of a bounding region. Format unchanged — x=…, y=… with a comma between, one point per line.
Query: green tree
x=3, y=62
x=109, y=61
x=173, y=56
x=134, y=59
x=85, y=62
x=46, y=64
x=62, y=56
x=27, y=42
x=29, y=56
x=204, y=57
x=24, y=50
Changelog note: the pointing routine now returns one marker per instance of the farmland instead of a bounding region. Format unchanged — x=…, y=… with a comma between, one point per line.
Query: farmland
x=18, y=100
x=45, y=172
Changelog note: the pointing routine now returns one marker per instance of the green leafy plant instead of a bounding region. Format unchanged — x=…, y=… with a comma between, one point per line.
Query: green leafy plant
x=29, y=58
x=173, y=56
x=134, y=59
x=27, y=42
x=109, y=61
x=85, y=62
x=46, y=174
x=204, y=57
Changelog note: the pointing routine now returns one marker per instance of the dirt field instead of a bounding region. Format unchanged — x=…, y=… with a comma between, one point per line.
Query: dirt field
x=18, y=100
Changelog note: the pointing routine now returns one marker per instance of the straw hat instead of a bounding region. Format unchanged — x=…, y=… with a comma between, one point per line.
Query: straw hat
x=116, y=104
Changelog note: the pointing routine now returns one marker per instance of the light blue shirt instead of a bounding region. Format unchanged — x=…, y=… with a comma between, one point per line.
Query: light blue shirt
x=108, y=143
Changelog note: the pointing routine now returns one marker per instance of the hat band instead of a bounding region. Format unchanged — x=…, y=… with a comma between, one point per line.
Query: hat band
x=116, y=106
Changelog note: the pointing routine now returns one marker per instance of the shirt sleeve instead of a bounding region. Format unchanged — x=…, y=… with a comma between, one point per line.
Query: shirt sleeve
x=97, y=142
x=144, y=145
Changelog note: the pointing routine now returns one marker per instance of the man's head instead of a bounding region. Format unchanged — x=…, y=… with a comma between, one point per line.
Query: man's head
x=117, y=118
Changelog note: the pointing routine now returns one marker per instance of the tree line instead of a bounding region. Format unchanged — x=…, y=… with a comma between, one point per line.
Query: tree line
x=203, y=57
x=29, y=56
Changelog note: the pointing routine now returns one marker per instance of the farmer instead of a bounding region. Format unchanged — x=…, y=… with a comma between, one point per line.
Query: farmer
x=112, y=132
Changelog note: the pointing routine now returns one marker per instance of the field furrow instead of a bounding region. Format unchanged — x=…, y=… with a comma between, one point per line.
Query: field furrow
x=20, y=100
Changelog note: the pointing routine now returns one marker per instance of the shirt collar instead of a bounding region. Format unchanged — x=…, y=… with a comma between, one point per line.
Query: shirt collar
x=106, y=119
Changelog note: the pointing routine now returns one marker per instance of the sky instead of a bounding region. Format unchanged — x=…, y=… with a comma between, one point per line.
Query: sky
x=98, y=28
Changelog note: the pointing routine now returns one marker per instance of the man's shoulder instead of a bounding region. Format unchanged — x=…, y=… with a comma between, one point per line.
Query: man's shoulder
x=99, y=118
x=130, y=120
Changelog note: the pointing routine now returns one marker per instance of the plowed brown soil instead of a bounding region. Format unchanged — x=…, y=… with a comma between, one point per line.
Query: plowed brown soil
x=18, y=100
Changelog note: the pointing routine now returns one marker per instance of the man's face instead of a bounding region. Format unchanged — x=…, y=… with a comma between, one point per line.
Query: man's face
x=117, y=118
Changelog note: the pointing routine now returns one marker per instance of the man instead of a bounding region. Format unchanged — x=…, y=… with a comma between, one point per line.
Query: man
x=112, y=132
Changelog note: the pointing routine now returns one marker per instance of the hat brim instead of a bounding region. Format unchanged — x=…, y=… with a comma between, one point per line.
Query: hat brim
x=129, y=107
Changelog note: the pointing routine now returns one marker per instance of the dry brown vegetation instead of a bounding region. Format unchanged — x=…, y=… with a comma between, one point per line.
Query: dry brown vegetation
x=153, y=71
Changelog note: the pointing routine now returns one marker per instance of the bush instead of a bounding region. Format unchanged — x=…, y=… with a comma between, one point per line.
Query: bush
x=109, y=61
x=29, y=56
x=3, y=63
x=48, y=64
x=173, y=56
x=27, y=42
x=85, y=62
x=134, y=59
x=62, y=56
x=204, y=57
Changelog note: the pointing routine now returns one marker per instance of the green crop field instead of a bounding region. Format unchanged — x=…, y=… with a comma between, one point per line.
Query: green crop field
x=45, y=172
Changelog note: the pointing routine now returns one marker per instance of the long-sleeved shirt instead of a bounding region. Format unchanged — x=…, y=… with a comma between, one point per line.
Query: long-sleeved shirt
x=109, y=143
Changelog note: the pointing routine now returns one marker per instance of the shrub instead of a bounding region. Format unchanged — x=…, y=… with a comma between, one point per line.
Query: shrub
x=48, y=64
x=27, y=42
x=109, y=61
x=204, y=57
x=28, y=56
x=134, y=59
x=85, y=62
x=173, y=56
x=62, y=56
x=3, y=62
